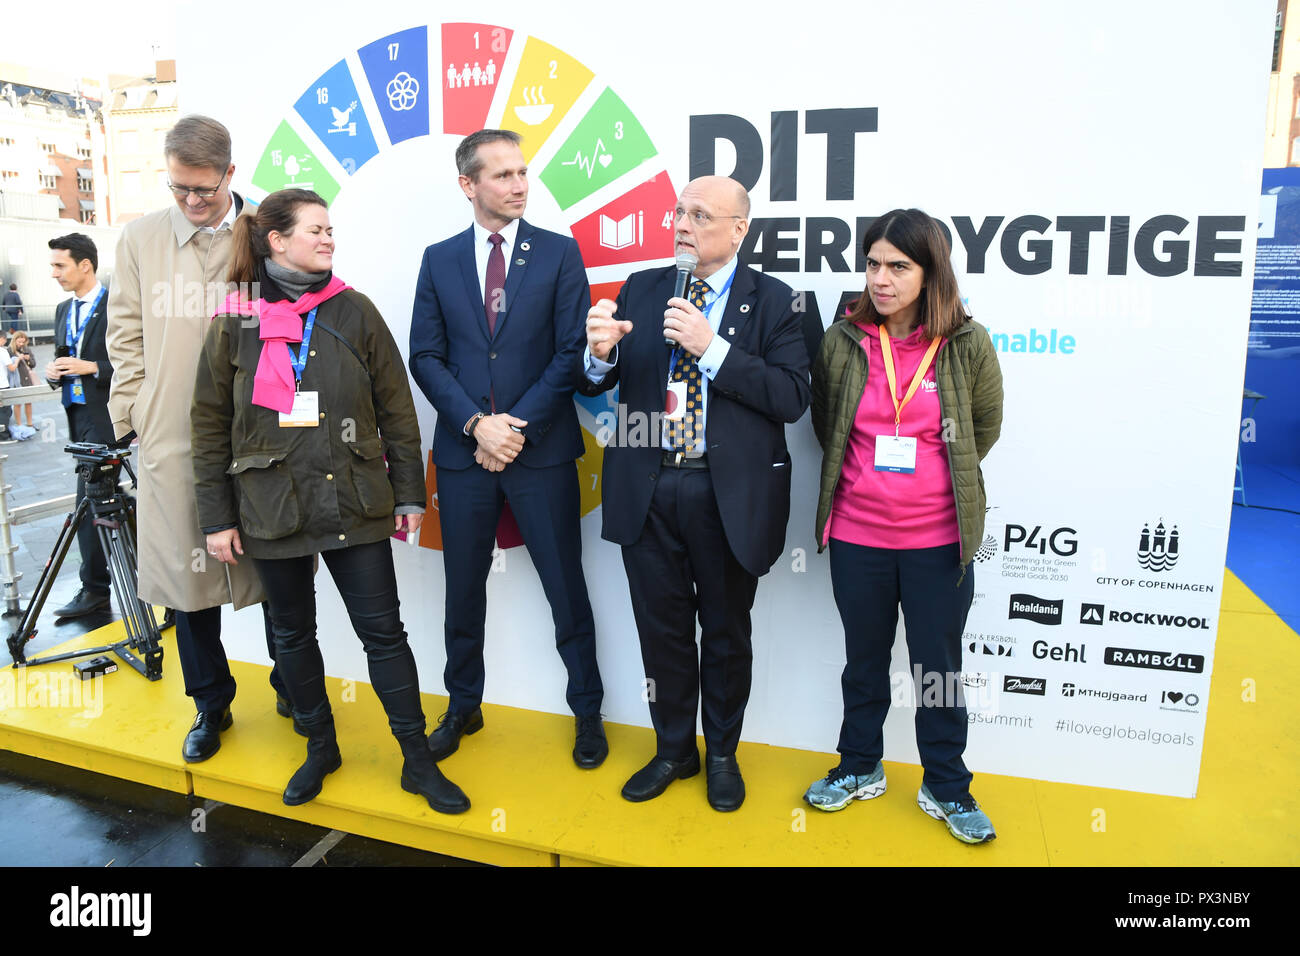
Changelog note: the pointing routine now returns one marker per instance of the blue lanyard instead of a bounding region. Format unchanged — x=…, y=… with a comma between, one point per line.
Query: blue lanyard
x=300, y=363
x=708, y=311
x=69, y=340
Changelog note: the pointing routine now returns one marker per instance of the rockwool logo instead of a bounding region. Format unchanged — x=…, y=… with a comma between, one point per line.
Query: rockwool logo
x=1028, y=607
x=1092, y=614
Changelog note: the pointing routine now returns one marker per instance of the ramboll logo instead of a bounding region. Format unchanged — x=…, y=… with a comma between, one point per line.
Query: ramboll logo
x=1155, y=660
x=1158, y=550
x=1028, y=607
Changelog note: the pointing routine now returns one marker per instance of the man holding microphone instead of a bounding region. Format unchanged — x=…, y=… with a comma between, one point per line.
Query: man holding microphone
x=701, y=510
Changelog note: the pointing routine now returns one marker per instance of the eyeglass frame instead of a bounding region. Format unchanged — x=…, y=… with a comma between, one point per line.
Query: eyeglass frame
x=679, y=212
x=205, y=193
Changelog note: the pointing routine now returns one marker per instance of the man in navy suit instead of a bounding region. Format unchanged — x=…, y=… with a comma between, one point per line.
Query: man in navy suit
x=496, y=337
x=701, y=506
x=83, y=375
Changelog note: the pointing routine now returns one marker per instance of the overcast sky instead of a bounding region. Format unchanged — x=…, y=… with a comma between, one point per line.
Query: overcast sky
x=101, y=39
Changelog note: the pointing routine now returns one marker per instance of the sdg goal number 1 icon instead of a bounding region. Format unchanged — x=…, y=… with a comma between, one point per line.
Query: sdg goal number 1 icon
x=525, y=84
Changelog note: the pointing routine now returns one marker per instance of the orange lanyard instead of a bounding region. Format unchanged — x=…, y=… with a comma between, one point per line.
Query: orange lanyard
x=893, y=380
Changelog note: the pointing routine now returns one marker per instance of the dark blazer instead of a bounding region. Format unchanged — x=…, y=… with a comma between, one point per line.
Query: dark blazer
x=762, y=385
x=94, y=425
x=527, y=365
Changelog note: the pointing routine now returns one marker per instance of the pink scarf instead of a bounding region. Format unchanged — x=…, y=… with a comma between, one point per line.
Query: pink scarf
x=279, y=324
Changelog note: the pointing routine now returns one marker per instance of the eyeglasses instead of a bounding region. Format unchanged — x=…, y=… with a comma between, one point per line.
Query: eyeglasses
x=183, y=192
x=700, y=217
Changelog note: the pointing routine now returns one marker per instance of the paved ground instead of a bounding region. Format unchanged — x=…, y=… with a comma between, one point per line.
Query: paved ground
x=102, y=820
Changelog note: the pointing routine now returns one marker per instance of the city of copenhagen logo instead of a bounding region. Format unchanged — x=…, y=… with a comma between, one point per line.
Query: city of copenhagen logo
x=1158, y=550
x=1154, y=660
x=1024, y=685
x=1028, y=607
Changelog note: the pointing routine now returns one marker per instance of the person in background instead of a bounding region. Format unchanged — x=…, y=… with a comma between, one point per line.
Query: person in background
x=12, y=304
x=6, y=411
x=306, y=443
x=83, y=375
x=906, y=402
x=22, y=349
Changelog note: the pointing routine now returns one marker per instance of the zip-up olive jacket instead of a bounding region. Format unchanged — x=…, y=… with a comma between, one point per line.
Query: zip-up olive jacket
x=970, y=402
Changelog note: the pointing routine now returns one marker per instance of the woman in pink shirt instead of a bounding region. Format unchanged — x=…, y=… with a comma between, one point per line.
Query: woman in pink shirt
x=907, y=400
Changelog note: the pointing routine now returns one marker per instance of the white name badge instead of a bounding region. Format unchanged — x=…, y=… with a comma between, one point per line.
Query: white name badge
x=896, y=453
x=305, y=413
x=675, y=402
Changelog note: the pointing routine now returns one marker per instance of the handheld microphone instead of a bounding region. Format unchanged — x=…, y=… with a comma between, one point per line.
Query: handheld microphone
x=686, y=263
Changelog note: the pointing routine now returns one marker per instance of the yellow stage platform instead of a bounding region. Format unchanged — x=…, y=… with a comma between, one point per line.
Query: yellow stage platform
x=531, y=806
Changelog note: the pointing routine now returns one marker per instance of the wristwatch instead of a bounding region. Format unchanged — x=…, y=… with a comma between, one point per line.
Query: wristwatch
x=473, y=424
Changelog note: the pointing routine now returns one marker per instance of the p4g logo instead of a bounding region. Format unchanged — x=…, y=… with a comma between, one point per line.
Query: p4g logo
x=1060, y=542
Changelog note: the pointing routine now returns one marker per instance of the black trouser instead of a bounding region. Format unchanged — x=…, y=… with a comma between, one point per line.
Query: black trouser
x=681, y=566
x=545, y=502
x=869, y=585
x=94, y=566
x=203, y=659
x=365, y=579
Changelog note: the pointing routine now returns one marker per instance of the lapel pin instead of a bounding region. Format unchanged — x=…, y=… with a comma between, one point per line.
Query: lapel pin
x=744, y=308
x=519, y=262
x=731, y=330
x=524, y=246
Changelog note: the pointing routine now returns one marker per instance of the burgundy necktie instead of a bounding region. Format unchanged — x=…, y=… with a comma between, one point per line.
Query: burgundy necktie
x=494, y=289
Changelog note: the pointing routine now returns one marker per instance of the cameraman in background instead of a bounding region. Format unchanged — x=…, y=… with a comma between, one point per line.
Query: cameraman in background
x=82, y=371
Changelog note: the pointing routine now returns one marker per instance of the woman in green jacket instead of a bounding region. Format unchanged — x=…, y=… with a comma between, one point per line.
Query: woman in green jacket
x=306, y=442
x=907, y=400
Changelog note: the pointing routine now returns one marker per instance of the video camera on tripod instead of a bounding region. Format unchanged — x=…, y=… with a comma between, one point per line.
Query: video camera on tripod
x=113, y=514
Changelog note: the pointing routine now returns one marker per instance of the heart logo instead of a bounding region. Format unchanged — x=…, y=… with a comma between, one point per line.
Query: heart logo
x=1173, y=697
x=606, y=159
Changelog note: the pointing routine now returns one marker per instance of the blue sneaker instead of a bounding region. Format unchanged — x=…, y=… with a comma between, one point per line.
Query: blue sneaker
x=837, y=788
x=966, y=821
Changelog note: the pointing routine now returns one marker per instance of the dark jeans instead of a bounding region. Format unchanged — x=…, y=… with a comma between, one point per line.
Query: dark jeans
x=869, y=585
x=203, y=659
x=365, y=579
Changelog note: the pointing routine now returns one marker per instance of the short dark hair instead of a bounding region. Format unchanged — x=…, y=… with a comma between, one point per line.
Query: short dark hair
x=920, y=238
x=79, y=247
x=467, y=158
x=198, y=141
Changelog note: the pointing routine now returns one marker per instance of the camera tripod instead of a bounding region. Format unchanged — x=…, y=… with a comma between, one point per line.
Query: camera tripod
x=113, y=514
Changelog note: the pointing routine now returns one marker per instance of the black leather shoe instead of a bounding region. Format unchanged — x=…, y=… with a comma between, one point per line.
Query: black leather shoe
x=86, y=602
x=323, y=758
x=590, y=748
x=726, y=786
x=445, y=741
x=204, y=738
x=420, y=774
x=654, y=778
x=285, y=709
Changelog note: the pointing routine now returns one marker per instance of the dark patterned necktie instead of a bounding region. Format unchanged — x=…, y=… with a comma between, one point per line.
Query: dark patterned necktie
x=683, y=434
x=494, y=286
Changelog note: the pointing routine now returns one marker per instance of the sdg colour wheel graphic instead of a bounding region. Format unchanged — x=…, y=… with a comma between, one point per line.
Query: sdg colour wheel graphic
x=485, y=70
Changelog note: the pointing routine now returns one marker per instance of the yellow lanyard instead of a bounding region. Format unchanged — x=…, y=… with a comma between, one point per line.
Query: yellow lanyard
x=893, y=380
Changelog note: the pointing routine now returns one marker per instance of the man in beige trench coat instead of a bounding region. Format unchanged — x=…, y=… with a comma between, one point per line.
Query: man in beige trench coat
x=170, y=278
